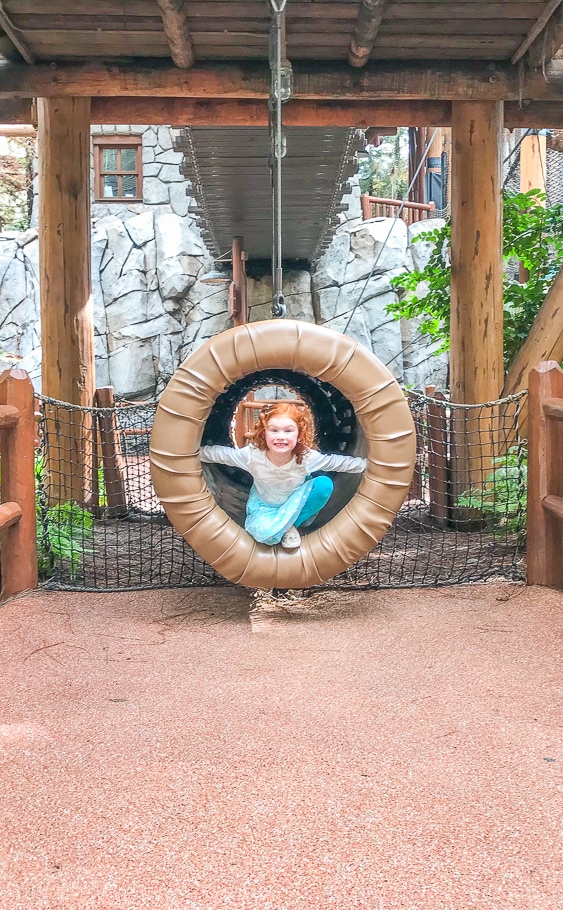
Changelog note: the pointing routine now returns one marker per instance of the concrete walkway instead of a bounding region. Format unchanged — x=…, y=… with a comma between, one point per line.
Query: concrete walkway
x=388, y=751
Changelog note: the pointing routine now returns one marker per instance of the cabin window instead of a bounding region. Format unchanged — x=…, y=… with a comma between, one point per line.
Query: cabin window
x=117, y=167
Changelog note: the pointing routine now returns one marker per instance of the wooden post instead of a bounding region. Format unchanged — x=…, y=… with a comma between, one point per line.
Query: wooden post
x=476, y=333
x=438, y=472
x=366, y=206
x=544, y=342
x=417, y=484
x=533, y=163
x=112, y=460
x=417, y=142
x=476, y=290
x=240, y=309
x=17, y=453
x=545, y=478
x=66, y=287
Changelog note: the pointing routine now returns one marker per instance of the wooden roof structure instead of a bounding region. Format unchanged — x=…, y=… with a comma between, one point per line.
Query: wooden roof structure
x=353, y=30
x=216, y=55
x=474, y=65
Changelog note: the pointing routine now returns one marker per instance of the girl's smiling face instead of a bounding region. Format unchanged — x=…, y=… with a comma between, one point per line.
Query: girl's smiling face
x=282, y=434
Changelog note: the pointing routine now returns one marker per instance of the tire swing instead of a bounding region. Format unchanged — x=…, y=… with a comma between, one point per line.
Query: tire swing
x=306, y=350
x=381, y=410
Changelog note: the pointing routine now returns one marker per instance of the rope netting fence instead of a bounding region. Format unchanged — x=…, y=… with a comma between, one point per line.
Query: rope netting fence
x=101, y=527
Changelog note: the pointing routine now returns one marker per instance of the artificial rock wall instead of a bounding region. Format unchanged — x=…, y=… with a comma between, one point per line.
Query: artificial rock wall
x=151, y=308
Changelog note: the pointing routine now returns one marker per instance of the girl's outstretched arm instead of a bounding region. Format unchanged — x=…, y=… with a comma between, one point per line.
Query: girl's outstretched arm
x=317, y=461
x=236, y=458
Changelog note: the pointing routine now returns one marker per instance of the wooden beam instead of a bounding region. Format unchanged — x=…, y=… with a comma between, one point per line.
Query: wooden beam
x=476, y=358
x=317, y=82
x=17, y=131
x=544, y=342
x=545, y=479
x=15, y=36
x=534, y=115
x=250, y=112
x=67, y=327
x=17, y=484
x=174, y=18
x=536, y=29
x=297, y=112
x=253, y=112
x=367, y=25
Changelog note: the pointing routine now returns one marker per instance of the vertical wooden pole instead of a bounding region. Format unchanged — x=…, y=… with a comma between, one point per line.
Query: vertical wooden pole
x=366, y=206
x=416, y=489
x=545, y=478
x=533, y=162
x=66, y=287
x=17, y=453
x=112, y=460
x=476, y=315
x=476, y=362
x=417, y=142
x=533, y=152
x=240, y=314
x=438, y=465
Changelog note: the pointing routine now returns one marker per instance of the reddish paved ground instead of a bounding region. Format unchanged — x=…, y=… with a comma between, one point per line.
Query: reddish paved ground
x=400, y=752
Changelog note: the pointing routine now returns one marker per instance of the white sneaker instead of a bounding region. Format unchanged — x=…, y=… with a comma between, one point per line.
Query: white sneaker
x=291, y=539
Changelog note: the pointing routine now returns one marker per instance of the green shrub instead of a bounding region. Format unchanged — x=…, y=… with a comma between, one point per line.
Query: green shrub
x=503, y=497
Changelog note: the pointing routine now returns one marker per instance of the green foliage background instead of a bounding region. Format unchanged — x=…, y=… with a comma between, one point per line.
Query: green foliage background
x=532, y=235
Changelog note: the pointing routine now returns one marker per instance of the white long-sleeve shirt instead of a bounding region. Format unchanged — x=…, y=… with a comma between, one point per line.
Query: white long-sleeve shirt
x=275, y=483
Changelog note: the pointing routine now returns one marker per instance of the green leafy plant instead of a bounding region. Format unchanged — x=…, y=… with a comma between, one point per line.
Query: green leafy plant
x=503, y=496
x=532, y=235
x=62, y=529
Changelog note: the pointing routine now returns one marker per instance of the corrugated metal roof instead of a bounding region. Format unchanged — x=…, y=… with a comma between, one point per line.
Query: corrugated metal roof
x=230, y=175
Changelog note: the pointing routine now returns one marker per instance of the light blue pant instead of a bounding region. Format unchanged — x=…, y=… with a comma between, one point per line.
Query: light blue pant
x=321, y=491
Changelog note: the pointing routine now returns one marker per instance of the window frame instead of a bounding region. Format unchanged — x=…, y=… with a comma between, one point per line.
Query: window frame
x=108, y=142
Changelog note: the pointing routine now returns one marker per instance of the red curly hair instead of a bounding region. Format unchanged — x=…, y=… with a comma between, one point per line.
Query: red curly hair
x=296, y=411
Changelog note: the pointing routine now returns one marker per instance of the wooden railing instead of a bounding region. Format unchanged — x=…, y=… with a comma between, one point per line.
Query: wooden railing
x=545, y=476
x=17, y=489
x=377, y=207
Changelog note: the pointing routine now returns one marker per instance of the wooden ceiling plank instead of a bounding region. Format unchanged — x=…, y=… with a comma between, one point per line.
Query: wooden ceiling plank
x=370, y=14
x=175, y=21
x=15, y=36
x=457, y=10
x=450, y=26
x=538, y=27
x=446, y=43
x=89, y=23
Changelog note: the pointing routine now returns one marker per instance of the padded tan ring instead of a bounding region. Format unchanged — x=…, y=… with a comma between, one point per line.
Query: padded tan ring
x=381, y=410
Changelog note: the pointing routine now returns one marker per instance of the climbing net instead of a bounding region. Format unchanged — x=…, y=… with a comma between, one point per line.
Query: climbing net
x=101, y=527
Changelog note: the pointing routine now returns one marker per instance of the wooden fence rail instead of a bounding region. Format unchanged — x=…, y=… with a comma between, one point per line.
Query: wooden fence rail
x=377, y=207
x=545, y=476
x=17, y=488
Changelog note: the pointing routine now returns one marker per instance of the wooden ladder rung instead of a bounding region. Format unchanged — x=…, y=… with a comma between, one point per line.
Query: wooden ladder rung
x=553, y=407
x=10, y=513
x=9, y=415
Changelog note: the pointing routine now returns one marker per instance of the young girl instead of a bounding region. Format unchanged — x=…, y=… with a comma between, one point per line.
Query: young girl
x=281, y=457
